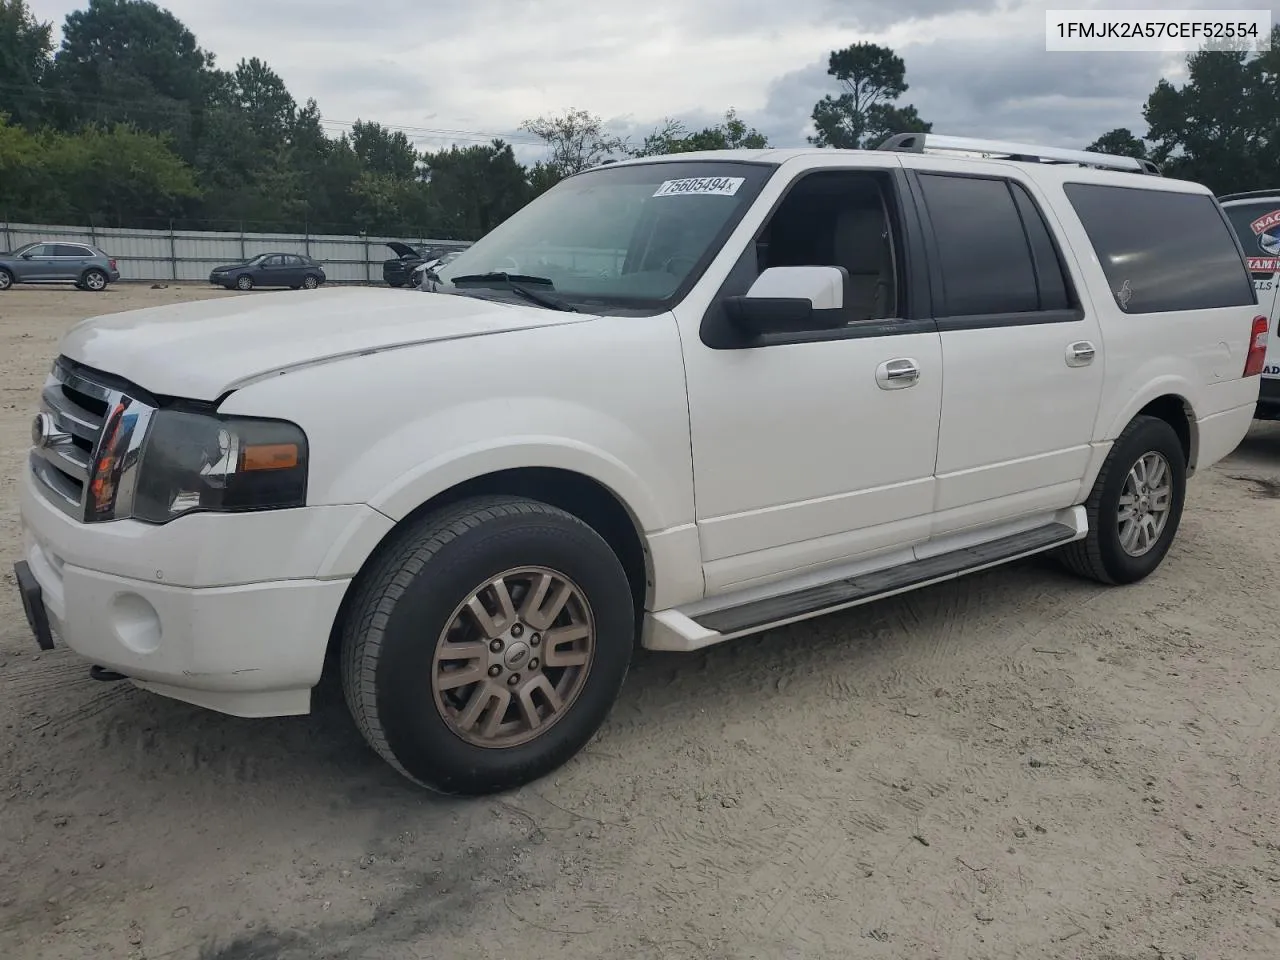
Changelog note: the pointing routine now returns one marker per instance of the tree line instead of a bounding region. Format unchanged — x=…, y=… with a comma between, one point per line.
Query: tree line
x=130, y=122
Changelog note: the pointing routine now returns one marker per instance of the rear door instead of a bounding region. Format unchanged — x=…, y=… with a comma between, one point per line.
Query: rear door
x=1022, y=353
x=72, y=260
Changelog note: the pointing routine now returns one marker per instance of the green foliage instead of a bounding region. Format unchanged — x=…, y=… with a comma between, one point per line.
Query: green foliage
x=577, y=140
x=674, y=137
x=1222, y=127
x=26, y=51
x=131, y=122
x=102, y=175
x=872, y=78
x=1119, y=142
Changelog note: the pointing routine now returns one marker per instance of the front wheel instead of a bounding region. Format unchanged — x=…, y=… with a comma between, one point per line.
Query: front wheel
x=1135, y=506
x=488, y=644
x=244, y=282
x=6, y=279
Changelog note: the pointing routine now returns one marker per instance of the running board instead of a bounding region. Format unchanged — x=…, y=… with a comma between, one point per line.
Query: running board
x=678, y=631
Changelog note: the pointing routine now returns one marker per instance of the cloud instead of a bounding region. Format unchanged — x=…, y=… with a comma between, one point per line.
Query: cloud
x=463, y=72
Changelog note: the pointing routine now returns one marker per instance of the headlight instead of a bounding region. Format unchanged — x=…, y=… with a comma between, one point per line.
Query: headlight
x=196, y=461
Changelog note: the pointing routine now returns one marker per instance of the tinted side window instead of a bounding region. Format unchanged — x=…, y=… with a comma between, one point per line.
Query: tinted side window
x=1051, y=278
x=986, y=264
x=1162, y=251
x=68, y=250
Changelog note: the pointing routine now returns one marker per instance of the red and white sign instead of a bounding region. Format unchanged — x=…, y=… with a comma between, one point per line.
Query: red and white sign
x=1265, y=222
x=1264, y=264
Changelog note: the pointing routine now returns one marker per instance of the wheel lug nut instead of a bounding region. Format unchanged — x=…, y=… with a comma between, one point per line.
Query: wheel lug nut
x=513, y=679
x=496, y=646
x=495, y=670
x=516, y=630
x=533, y=664
x=535, y=639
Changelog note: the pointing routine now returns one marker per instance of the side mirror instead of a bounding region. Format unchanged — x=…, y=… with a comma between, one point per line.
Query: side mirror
x=26, y=256
x=791, y=299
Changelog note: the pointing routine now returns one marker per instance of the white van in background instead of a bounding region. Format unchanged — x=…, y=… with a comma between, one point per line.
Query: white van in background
x=1256, y=218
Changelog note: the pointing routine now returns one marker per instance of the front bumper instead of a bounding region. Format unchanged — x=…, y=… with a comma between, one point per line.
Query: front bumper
x=231, y=612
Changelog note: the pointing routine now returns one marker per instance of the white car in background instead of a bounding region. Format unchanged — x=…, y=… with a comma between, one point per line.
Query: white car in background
x=420, y=272
x=1256, y=218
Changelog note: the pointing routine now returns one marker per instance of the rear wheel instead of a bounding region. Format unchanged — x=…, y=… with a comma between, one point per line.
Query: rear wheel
x=94, y=281
x=244, y=282
x=487, y=645
x=1135, y=506
x=310, y=282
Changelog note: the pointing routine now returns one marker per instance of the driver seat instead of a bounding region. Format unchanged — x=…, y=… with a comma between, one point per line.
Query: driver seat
x=860, y=244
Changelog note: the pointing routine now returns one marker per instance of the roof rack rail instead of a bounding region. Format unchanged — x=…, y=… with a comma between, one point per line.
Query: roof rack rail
x=921, y=142
x=1250, y=195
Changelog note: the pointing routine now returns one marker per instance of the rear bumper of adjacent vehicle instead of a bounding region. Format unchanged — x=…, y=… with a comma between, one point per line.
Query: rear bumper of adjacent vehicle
x=1268, y=407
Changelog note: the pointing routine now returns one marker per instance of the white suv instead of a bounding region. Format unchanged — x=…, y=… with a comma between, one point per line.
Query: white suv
x=1256, y=217
x=671, y=402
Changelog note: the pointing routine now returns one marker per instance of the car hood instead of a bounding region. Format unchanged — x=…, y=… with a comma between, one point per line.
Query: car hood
x=203, y=349
x=229, y=266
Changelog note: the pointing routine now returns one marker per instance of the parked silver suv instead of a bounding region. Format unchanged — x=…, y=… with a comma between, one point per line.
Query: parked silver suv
x=56, y=262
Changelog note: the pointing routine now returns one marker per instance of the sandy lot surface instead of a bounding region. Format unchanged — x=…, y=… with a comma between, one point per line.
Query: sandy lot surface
x=1015, y=765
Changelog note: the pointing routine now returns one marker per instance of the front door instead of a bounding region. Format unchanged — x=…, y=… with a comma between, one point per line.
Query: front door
x=39, y=264
x=1023, y=355
x=809, y=449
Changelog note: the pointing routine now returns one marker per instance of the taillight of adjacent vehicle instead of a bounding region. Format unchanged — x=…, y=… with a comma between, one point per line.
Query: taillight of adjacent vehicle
x=1257, y=355
x=113, y=263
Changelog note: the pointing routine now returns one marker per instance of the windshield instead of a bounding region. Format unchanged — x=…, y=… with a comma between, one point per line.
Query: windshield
x=614, y=239
x=1258, y=227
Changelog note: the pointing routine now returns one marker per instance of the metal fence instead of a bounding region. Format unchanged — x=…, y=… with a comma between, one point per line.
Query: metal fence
x=189, y=255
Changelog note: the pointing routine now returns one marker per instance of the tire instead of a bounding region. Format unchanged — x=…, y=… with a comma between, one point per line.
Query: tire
x=1102, y=555
x=310, y=282
x=409, y=614
x=6, y=279
x=244, y=282
x=95, y=281
x=396, y=283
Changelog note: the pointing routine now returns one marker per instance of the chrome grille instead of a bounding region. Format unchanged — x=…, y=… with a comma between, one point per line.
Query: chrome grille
x=76, y=412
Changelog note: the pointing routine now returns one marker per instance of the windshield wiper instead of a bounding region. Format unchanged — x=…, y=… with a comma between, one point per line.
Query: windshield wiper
x=514, y=282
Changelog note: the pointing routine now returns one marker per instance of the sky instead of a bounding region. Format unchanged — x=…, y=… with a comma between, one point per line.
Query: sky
x=467, y=71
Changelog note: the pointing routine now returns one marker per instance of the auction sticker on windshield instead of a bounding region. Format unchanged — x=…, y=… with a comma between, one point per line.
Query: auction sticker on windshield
x=700, y=186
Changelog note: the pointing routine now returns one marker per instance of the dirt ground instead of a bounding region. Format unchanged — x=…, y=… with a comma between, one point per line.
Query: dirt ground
x=1015, y=765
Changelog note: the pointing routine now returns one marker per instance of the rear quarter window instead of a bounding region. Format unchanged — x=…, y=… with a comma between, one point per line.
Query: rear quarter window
x=1162, y=251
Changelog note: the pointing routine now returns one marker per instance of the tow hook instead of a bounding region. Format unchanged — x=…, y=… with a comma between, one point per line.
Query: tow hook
x=106, y=676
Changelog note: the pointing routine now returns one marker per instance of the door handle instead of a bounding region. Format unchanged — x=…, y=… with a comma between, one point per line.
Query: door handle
x=896, y=374
x=1080, y=354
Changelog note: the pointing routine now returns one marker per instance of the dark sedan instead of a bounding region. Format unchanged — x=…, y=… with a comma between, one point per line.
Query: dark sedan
x=290, y=270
